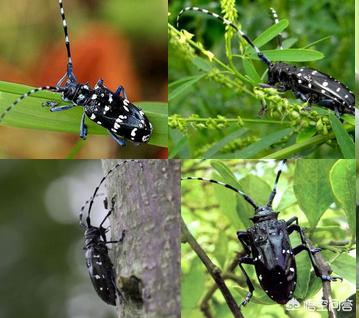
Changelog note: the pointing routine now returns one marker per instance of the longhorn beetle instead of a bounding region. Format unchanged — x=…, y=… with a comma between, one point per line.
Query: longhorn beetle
x=268, y=248
x=307, y=84
x=111, y=110
x=98, y=262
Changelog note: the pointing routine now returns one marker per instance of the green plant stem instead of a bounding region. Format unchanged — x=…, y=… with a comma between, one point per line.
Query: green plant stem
x=316, y=140
x=245, y=120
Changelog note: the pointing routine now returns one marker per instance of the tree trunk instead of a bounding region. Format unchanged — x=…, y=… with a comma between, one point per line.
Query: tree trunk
x=147, y=262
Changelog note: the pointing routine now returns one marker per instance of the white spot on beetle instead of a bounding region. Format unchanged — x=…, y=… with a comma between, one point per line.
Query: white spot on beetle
x=126, y=108
x=93, y=116
x=299, y=81
x=260, y=277
x=97, y=276
x=100, y=123
x=116, y=126
x=283, y=252
x=101, y=288
x=291, y=269
x=133, y=132
x=299, y=74
x=259, y=256
x=145, y=138
x=314, y=72
x=94, y=96
x=102, y=95
x=85, y=87
x=125, y=102
x=325, y=83
x=288, y=251
x=323, y=91
x=114, y=130
x=310, y=85
x=107, y=108
x=99, y=263
x=110, y=98
x=346, y=96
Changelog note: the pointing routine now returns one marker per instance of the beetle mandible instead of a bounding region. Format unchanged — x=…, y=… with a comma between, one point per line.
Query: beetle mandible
x=111, y=110
x=268, y=248
x=307, y=84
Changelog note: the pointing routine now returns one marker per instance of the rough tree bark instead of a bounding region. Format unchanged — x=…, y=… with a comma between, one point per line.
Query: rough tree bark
x=147, y=262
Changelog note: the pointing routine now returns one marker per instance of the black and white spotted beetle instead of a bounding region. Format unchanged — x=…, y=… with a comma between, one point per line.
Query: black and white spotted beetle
x=109, y=109
x=268, y=248
x=98, y=262
x=307, y=84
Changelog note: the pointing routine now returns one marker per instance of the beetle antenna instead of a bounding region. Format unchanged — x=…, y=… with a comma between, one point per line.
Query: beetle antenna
x=27, y=94
x=274, y=191
x=276, y=21
x=69, y=72
x=226, y=22
x=99, y=185
x=245, y=196
x=84, y=206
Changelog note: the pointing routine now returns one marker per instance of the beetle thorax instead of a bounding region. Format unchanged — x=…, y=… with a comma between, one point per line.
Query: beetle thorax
x=93, y=235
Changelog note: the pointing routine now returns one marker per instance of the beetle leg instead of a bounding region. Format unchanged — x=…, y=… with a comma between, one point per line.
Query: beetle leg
x=120, y=90
x=119, y=140
x=246, y=260
x=244, y=239
x=83, y=127
x=291, y=220
x=55, y=108
x=311, y=252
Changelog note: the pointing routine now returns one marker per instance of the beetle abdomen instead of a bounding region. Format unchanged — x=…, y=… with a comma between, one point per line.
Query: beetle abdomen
x=101, y=272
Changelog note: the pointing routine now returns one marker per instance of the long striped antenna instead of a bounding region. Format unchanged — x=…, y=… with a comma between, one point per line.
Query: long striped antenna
x=245, y=196
x=226, y=22
x=27, y=94
x=274, y=191
x=85, y=204
x=102, y=181
x=67, y=42
x=276, y=21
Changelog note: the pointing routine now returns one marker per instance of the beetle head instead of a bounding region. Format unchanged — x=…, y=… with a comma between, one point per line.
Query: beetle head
x=264, y=213
x=278, y=73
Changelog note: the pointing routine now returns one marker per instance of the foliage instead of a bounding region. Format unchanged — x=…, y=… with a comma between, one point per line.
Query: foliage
x=319, y=192
x=214, y=77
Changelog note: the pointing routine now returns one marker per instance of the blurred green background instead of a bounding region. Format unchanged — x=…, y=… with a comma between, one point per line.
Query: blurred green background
x=309, y=21
x=42, y=266
x=214, y=214
x=110, y=39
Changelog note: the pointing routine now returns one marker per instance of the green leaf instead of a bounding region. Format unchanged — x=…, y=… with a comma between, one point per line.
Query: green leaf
x=305, y=134
x=312, y=187
x=178, y=147
x=221, y=249
x=271, y=33
x=344, y=140
x=192, y=284
x=180, y=86
x=227, y=198
x=318, y=41
x=291, y=55
x=221, y=143
x=345, y=266
x=252, y=150
x=202, y=64
x=250, y=70
x=343, y=182
x=29, y=113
